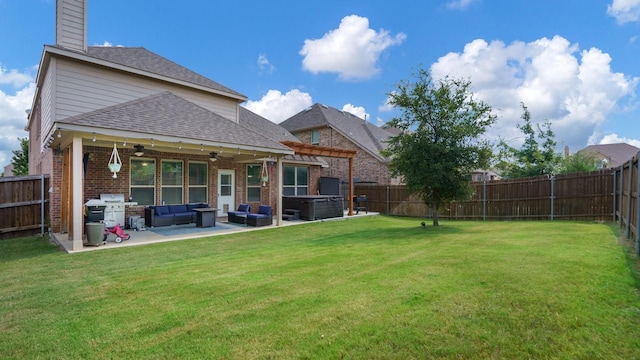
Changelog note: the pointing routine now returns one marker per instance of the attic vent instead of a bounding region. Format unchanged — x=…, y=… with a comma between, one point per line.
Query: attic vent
x=307, y=109
x=324, y=106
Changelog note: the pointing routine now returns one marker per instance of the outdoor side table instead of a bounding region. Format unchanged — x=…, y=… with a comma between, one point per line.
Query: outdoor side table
x=205, y=217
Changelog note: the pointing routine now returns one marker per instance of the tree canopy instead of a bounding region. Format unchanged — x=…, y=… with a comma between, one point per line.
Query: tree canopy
x=20, y=159
x=532, y=159
x=439, y=142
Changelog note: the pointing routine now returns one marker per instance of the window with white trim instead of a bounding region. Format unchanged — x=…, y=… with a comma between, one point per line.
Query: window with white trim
x=198, y=183
x=254, y=189
x=142, y=175
x=171, y=175
x=295, y=180
x=315, y=137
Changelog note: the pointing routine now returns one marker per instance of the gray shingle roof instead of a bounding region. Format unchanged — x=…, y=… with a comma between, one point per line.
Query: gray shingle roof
x=167, y=114
x=251, y=120
x=367, y=136
x=617, y=153
x=142, y=59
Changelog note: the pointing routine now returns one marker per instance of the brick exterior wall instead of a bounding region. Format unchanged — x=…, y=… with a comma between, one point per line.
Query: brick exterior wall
x=366, y=168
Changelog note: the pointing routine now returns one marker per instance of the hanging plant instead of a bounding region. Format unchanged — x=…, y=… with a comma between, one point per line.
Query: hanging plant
x=115, y=164
x=265, y=173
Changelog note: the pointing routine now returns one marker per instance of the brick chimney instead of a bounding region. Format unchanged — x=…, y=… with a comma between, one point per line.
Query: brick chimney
x=71, y=24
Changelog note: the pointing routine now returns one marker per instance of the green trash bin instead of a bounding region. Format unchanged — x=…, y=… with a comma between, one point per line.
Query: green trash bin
x=95, y=233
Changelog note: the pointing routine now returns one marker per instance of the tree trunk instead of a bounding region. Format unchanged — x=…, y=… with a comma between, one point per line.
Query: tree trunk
x=434, y=211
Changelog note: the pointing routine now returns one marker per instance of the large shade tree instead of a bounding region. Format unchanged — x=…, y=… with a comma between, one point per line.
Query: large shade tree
x=440, y=139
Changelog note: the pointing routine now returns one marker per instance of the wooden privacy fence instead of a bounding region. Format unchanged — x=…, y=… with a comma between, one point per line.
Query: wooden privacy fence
x=626, y=204
x=24, y=205
x=580, y=196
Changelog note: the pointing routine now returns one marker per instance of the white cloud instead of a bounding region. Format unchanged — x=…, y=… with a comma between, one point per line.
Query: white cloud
x=13, y=117
x=264, y=64
x=386, y=107
x=624, y=10
x=614, y=139
x=358, y=111
x=574, y=90
x=352, y=50
x=14, y=78
x=460, y=4
x=107, y=44
x=278, y=107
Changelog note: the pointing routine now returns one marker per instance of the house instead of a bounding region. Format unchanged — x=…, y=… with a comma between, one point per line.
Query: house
x=124, y=120
x=322, y=125
x=484, y=175
x=611, y=155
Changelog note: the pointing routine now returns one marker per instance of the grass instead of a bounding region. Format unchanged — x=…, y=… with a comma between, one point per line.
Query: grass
x=368, y=288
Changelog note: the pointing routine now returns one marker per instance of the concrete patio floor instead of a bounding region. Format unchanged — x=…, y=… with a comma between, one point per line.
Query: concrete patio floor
x=151, y=237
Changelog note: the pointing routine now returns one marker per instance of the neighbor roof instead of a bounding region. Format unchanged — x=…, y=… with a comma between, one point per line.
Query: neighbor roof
x=251, y=120
x=617, y=154
x=166, y=114
x=367, y=136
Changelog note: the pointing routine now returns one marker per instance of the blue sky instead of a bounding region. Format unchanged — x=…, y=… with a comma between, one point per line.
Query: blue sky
x=572, y=62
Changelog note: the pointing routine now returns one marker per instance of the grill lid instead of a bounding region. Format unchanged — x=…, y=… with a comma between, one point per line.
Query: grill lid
x=107, y=198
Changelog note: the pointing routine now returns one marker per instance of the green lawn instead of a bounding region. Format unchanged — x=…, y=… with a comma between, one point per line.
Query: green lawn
x=367, y=288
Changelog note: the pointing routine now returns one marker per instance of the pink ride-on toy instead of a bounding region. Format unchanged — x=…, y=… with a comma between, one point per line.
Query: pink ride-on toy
x=120, y=234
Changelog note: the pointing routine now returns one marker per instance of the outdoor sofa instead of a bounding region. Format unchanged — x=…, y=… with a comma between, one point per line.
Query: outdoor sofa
x=165, y=215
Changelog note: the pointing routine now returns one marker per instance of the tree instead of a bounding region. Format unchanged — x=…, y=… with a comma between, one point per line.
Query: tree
x=20, y=159
x=579, y=162
x=439, y=142
x=531, y=159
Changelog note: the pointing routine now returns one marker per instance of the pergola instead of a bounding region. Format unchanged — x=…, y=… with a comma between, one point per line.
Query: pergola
x=316, y=150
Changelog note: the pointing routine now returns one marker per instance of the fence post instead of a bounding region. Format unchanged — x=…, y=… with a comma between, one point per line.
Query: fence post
x=553, y=180
x=637, y=226
x=388, y=207
x=615, y=172
x=621, y=216
x=484, y=201
x=627, y=230
x=42, y=205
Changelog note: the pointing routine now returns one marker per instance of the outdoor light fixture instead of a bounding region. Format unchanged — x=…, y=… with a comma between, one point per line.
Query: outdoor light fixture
x=139, y=150
x=94, y=138
x=213, y=156
x=59, y=134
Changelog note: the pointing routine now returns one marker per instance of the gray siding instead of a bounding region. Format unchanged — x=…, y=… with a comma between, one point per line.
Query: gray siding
x=46, y=104
x=81, y=88
x=71, y=24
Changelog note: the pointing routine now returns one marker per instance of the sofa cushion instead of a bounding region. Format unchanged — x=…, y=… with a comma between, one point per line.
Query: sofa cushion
x=244, y=208
x=178, y=209
x=190, y=207
x=258, y=216
x=162, y=210
x=203, y=206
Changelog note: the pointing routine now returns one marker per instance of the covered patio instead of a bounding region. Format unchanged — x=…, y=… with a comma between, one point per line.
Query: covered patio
x=181, y=232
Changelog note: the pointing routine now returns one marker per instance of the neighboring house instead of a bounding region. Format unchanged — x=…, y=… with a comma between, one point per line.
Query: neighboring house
x=611, y=155
x=485, y=175
x=8, y=170
x=326, y=126
x=180, y=137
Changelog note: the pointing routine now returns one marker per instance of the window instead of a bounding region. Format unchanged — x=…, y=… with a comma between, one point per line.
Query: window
x=171, y=182
x=315, y=137
x=295, y=180
x=198, y=182
x=143, y=181
x=253, y=183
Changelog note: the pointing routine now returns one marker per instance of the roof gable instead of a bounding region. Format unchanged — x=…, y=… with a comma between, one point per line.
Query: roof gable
x=367, y=136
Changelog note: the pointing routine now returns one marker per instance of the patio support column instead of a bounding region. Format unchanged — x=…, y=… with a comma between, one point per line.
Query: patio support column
x=279, y=192
x=350, y=186
x=76, y=193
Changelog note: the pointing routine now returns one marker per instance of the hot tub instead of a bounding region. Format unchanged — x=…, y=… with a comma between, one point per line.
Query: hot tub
x=315, y=207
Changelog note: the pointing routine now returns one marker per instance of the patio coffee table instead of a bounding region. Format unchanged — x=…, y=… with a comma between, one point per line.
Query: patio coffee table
x=205, y=217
